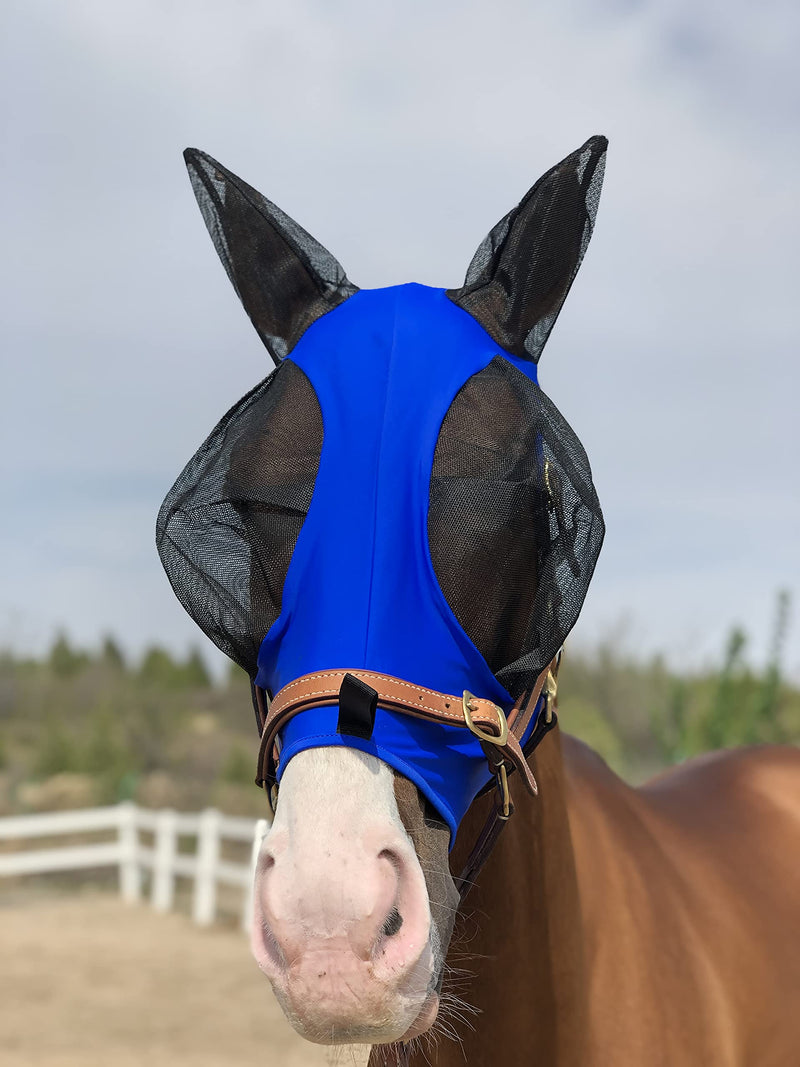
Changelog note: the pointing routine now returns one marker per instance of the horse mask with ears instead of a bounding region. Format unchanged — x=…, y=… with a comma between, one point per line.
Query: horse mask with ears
x=399, y=495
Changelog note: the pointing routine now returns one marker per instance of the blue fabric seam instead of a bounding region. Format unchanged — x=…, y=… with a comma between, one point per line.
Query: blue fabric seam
x=378, y=482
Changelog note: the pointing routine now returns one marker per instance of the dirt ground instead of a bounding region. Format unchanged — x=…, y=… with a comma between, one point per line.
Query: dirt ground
x=87, y=981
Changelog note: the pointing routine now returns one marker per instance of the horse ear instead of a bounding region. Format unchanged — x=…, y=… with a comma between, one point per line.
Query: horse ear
x=522, y=272
x=283, y=277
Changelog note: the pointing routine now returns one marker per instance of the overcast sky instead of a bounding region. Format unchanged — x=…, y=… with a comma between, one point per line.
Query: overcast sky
x=398, y=134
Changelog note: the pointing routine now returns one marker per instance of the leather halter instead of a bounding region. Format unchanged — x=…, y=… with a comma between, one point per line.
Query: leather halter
x=500, y=737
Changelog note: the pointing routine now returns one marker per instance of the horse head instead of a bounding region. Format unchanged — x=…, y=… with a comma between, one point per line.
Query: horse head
x=395, y=519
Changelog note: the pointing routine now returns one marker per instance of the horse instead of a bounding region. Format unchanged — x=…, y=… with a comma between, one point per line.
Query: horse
x=393, y=534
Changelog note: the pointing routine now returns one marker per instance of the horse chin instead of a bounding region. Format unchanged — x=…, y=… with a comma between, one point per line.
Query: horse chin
x=387, y=1025
x=426, y=1018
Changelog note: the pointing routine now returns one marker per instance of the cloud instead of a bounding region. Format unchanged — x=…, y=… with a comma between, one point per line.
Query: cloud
x=398, y=134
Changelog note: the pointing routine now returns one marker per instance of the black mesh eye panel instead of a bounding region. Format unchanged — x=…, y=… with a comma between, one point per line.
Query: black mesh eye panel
x=228, y=527
x=514, y=524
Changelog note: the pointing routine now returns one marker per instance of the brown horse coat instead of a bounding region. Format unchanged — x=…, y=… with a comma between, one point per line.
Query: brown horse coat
x=651, y=926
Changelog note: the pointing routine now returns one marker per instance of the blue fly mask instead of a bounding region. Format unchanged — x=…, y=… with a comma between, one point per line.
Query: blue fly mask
x=399, y=495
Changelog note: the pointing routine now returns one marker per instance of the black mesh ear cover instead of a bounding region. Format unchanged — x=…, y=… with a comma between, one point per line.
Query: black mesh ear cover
x=514, y=523
x=284, y=278
x=228, y=527
x=523, y=270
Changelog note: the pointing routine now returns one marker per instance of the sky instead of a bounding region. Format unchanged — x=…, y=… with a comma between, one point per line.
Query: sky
x=398, y=134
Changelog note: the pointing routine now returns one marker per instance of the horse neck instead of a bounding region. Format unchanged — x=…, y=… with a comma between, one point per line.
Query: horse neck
x=521, y=933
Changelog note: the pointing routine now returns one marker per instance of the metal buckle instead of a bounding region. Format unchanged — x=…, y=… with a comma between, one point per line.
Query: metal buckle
x=551, y=687
x=501, y=779
x=550, y=691
x=500, y=774
x=482, y=735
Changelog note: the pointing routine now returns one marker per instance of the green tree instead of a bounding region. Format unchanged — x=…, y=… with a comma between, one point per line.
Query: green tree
x=112, y=654
x=764, y=723
x=671, y=724
x=57, y=751
x=581, y=718
x=64, y=660
x=103, y=749
x=107, y=757
x=718, y=727
x=195, y=670
x=159, y=669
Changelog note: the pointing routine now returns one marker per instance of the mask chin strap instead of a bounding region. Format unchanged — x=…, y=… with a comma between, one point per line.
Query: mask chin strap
x=358, y=694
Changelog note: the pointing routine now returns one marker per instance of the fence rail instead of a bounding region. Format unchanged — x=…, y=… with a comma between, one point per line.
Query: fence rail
x=209, y=828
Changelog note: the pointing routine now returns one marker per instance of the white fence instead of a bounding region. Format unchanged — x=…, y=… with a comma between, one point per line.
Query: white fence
x=206, y=867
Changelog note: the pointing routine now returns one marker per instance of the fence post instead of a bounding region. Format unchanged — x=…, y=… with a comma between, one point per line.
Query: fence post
x=130, y=880
x=163, y=889
x=204, y=904
x=259, y=833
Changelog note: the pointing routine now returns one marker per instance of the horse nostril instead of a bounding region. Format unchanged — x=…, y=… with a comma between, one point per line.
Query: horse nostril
x=392, y=924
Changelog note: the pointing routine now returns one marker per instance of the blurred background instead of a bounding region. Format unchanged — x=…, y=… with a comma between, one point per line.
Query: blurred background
x=397, y=134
